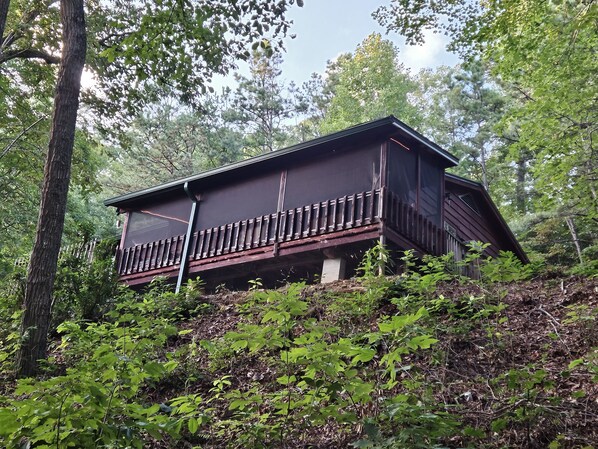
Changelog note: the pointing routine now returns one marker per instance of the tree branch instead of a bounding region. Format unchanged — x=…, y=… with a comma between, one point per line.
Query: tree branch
x=4, y=4
x=29, y=54
x=11, y=144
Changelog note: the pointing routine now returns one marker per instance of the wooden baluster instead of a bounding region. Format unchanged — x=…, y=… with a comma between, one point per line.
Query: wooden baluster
x=266, y=230
x=166, y=252
x=324, y=216
x=354, y=210
x=276, y=220
x=363, y=208
x=124, y=258
x=177, y=251
x=131, y=259
x=151, y=262
x=221, y=239
x=333, y=215
x=214, y=243
x=291, y=226
x=146, y=258
x=237, y=234
x=201, y=237
x=208, y=242
x=159, y=253
x=306, y=224
x=137, y=255
x=242, y=235
x=231, y=237
x=250, y=231
x=372, y=205
x=131, y=262
x=257, y=233
x=282, y=229
x=121, y=254
x=345, y=212
x=193, y=245
x=135, y=266
x=299, y=223
x=140, y=258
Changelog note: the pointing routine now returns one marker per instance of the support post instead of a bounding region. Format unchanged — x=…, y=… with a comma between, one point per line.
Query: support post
x=185, y=255
x=333, y=270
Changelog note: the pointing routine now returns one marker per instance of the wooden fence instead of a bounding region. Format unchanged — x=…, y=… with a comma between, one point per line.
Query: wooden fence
x=83, y=250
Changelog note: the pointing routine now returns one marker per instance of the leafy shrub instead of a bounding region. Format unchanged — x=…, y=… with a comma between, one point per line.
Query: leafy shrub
x=85, y=290
x=98, y=402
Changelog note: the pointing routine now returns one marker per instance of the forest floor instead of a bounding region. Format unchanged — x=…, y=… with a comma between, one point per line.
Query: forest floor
x=515, y=365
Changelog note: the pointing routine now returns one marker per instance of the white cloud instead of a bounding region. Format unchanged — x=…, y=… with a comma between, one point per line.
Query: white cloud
x=431, y=54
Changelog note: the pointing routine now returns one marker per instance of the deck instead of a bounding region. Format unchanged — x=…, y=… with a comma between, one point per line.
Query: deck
x=358, y=216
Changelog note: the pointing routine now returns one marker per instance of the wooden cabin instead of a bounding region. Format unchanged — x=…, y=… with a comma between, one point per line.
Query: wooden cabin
x=308, y=210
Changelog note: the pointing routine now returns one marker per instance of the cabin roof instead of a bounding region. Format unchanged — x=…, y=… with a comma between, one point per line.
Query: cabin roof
x=479, y=189
x=385, y=127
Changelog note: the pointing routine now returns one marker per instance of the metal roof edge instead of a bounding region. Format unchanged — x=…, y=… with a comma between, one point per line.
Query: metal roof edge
x=424, y=140
x=356, y=129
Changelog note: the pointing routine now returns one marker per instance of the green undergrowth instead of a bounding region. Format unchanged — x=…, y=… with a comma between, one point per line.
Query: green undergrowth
x=424, y=359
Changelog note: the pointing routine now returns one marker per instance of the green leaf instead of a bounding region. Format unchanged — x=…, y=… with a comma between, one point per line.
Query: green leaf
x=575, y=363
x=8, y=421
x=192, y=425
x=286, y=380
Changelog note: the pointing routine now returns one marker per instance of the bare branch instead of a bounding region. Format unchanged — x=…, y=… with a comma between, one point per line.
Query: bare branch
x=29, y=54
x=21, y=134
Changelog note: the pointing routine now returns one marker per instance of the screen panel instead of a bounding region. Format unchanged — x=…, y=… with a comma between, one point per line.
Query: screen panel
x=402, y=173
x=158, y=221
x=333, y=176
x=431, y=191
x=239, y=201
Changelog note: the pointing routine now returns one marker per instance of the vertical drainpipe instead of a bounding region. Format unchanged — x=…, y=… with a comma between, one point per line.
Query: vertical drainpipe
x=123, y=236
x=187, y=246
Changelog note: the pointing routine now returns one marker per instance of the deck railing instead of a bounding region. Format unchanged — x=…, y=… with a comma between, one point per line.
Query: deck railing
x=347, y=212
x=413, y=226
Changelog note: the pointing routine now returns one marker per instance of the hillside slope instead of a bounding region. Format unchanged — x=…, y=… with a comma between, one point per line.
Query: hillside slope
x=514, y=365
x=421, y=360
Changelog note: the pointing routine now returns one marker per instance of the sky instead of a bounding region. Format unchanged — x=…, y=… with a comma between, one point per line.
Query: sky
x=324, y=29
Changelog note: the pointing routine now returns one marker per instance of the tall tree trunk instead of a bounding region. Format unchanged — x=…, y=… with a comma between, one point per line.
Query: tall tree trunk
x=44, y=258
x=484, y=168
x=4, y=4
x=520, y=196
x=574, y=237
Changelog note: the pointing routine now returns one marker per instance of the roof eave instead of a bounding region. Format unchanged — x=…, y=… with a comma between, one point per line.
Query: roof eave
x=357, y=129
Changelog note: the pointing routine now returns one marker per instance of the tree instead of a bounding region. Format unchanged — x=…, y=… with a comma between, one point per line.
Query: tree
x=135, y=44
x=42, y=265
x=260, y=104
x=368, y=84
x=544, y=53
x=169, y=141
x=461, y=107
x=312, y=100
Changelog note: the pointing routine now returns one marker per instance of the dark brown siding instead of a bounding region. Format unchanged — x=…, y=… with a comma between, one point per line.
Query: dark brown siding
x=469, y=224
